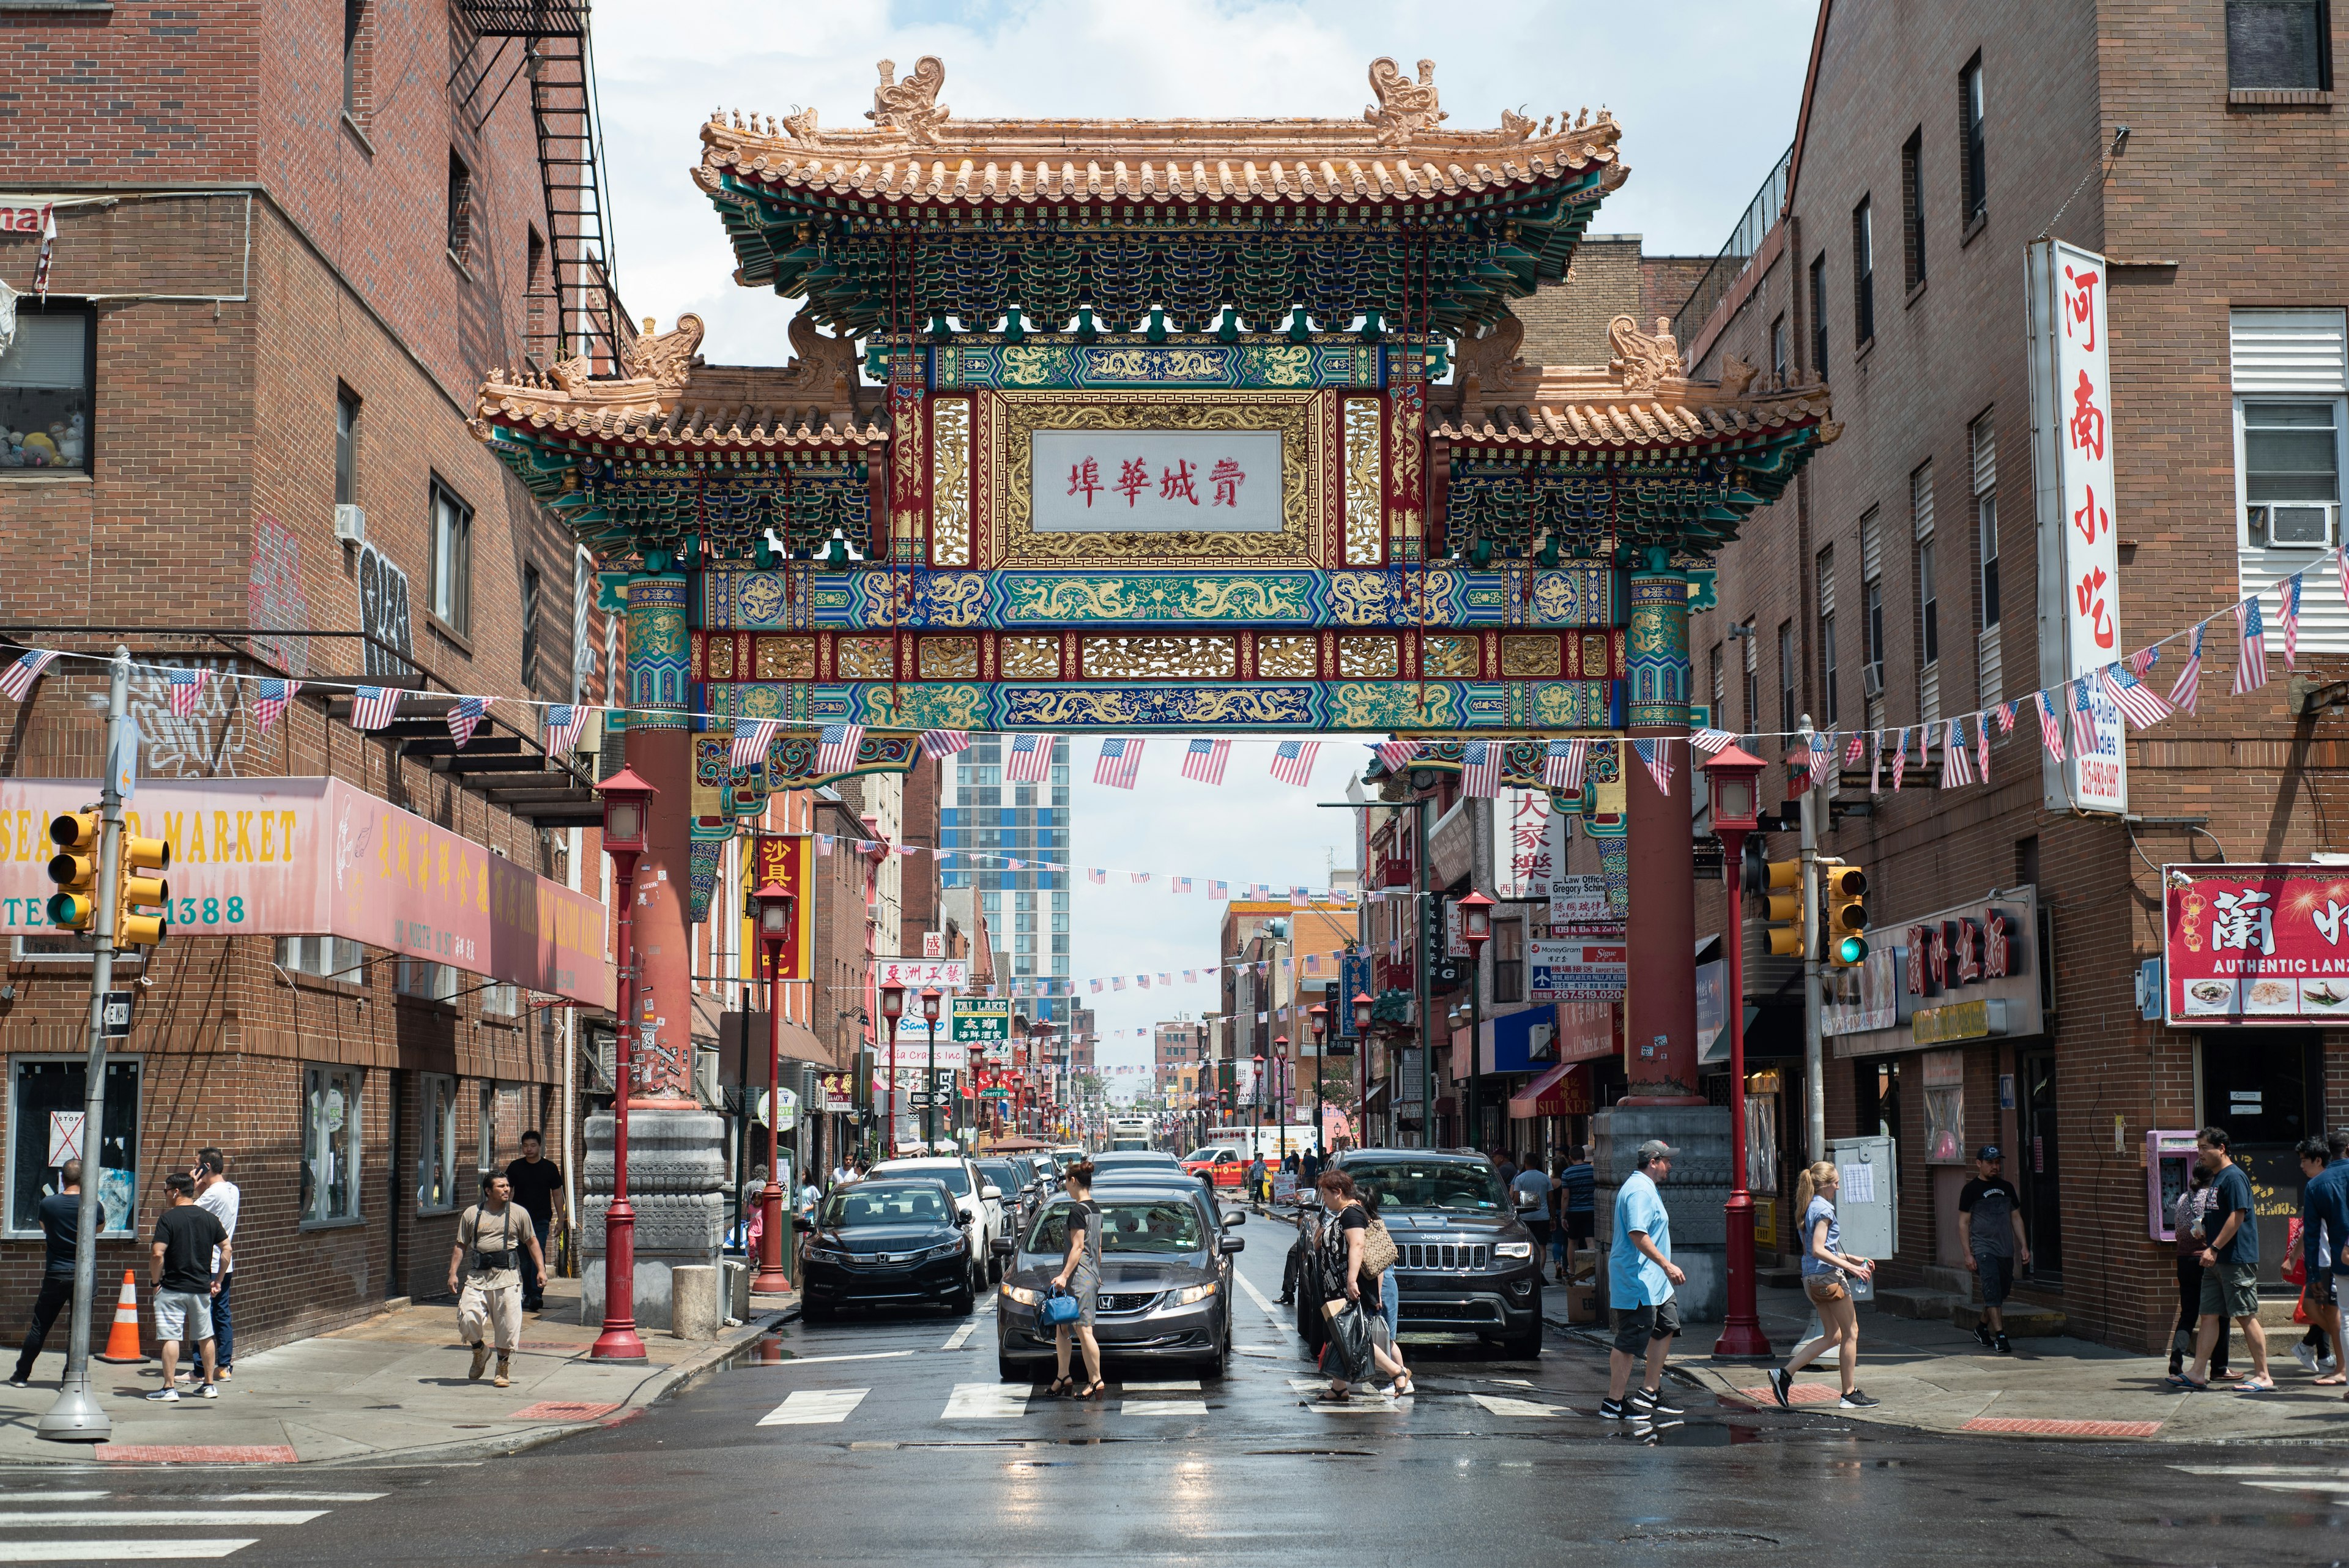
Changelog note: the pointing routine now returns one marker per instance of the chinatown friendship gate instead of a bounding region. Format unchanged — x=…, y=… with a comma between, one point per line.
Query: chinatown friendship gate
x=1134, y=426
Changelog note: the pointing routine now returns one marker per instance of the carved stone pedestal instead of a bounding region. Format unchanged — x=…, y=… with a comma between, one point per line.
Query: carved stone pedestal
x=1693, y=1194
x=676, y=1184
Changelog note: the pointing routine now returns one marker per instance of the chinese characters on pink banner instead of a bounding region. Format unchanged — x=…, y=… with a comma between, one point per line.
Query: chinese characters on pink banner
x=946, y=974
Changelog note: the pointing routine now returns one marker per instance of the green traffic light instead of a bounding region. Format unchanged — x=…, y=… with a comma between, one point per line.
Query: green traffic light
x=1852, y=949
x=71, y=910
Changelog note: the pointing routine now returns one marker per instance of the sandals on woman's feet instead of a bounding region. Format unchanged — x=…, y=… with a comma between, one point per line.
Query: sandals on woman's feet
x=1403, y=1387
x=1093, y=1390
x=1061, y=1388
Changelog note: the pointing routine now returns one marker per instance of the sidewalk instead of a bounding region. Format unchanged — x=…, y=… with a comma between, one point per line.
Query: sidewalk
x=393, y=1387
x=1932, y=1376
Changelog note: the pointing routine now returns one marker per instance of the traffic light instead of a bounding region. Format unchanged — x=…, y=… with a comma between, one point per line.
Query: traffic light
x=1846, y=926
x=74, y=868
x=1784, y=893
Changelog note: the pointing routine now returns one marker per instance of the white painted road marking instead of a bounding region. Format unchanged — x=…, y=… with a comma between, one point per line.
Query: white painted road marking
x=88, y=1551
x=1190, y=1385
x=1162, y=1407
x=961, y=1336
x=1500, y=1405
x=1261, y=1300
x=814, y=1408
x=987, y=1402
x=284, y=1495
x=811, y=1360
x=245, y=1517
x=52, y=1496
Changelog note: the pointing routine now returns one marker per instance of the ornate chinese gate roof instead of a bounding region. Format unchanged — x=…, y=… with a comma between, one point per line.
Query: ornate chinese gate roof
x=920, y=216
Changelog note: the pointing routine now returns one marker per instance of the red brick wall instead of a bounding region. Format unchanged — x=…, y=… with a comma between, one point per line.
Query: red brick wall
x=2217, y=191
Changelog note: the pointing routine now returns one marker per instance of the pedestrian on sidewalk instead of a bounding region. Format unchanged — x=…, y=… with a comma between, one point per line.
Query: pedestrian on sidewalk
x=61, y=1228
x=1993, y=1211
x=537, y=1184
x=1506, y=1164
x=2186, y=1219
x=186, y=1238
x=224, y=1199
x=1080, y=1274
x=494, y=1243
x=1311, y=1167
x=1640, y=1282
x=1338, y=1253
x=2230, y=1264
x=2323, y=1172
x=1828, y=1271
x=1580, y=1184
x=1256, y=1188
x=1531, y=1190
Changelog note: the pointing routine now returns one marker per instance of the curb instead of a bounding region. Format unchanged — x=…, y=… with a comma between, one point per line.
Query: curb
x=649, y=1390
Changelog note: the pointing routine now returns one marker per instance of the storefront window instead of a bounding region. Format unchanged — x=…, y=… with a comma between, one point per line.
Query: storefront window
x=436, y=1148
x=46, y=1103
x=44, y=390
x=330, y=1144
x=1945, y=1107
x=504, y=1110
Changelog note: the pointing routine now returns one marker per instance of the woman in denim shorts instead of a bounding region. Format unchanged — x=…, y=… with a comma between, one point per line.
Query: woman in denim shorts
x=1825, y=1273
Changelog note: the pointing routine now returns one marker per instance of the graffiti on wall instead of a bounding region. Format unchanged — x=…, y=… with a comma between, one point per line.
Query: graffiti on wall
x=274, y=597
x=383, y=613
x=208, y=741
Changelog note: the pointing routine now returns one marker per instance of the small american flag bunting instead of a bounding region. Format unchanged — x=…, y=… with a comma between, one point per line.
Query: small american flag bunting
x=1204, y=760
x=945, y=743
x=270, y=700
x=1562, y=767
x=1480, y=770
x=2083, y=720
x=465, y=716
x=27, y=668
x=1711, y=743
x=1029, y=758
x=1900, y=758
x=836, y=745
x=2251, y=648
x=2050, y=731
x=1659, y=761
x=186, y=685
x=372, y=707
x=1120, y=760
x=1875, y=766
x=564, y=722
x=2138, y=702
x=1957, y=768
x=2188, y=692
x=1292, y=762
x=2290, y=598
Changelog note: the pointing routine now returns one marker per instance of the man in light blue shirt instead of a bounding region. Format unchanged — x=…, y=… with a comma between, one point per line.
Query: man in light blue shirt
x=1640, y=1280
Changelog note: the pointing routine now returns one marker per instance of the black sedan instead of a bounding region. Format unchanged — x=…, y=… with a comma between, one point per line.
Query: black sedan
x=885, y=1243
x=1166, y=1279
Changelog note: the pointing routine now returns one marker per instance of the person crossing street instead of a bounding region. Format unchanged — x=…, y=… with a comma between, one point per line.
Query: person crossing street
x=1642, y=1282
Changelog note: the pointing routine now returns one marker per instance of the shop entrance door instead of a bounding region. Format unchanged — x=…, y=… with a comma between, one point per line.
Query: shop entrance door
x=2043, y=1198
x=2259, y=1085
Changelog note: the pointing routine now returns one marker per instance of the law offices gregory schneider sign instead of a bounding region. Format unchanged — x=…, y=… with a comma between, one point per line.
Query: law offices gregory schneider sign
x=1971, y=971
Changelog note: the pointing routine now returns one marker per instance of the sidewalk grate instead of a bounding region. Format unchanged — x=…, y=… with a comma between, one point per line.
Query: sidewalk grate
x=1800, y=1393
x=2020, y=1427
x=196, y=1453
x=562, y=1410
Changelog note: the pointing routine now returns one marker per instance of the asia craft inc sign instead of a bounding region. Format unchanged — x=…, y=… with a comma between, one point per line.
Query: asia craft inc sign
x=2254, y=944
x=1967, y=973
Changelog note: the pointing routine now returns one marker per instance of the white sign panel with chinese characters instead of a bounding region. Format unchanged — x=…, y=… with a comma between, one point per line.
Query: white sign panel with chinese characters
x=946, y=974
x=1577, y=971
x=2079, y=556
x=1537, y=848
x=1156, y=482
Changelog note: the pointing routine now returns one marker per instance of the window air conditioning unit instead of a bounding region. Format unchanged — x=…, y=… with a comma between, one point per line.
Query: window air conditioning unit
x=1871, y=677
x=350, y=523
x=2306, y=525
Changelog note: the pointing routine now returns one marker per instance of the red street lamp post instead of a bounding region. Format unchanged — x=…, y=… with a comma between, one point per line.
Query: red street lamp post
x=1282, y=1085
x=1731, y=773
x=1476, y=930
x=774, y=903
x=893, y=1008
x=930, y=1112
x=1319, y=1014
x=626, y=798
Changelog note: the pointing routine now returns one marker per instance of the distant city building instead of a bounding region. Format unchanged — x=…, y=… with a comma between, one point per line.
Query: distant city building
x=1027, y=910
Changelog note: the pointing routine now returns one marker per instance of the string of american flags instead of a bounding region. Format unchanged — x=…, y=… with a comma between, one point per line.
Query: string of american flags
x=2064, y=712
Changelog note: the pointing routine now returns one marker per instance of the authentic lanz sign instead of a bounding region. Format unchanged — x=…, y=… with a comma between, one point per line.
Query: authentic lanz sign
x=2254, y=944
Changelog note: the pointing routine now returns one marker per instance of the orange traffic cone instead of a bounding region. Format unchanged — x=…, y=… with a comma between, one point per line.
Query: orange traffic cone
x=122, y=1343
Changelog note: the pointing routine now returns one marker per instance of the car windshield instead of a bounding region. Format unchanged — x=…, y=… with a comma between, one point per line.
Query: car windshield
x=957, y=1179
x=880, y=1203
x=1132, y=1225
x=1003, y=1173
x=1133, y=1161
x=1457, y=1186
x=1211, y=1152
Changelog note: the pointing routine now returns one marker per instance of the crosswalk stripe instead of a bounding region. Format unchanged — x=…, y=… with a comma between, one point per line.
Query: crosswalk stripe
x=1500, y=1404
x=1187, y=1385
x=281, y=1496
x=961, y=1337
x=123, y=1516
x=1162, y=1407
x=812, y=1360
x=88, y=1551
x=52, y=1496
x=987, y=1402
x=814, y=1408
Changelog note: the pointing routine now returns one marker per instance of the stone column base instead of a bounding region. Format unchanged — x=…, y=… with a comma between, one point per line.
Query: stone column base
x=676, y=1185
x=1695, y=1194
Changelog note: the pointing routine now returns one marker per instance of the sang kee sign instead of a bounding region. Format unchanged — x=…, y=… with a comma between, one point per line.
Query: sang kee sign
x=2254, y=944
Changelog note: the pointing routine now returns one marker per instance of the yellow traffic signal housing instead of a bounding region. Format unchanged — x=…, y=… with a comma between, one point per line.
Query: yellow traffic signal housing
x=1846, y=930
x=1786, y=896
x=135, y=892
x=74, y=868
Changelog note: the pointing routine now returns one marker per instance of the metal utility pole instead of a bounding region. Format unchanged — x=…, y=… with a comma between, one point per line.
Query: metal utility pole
x=1814, y=1087
x=77, y=1416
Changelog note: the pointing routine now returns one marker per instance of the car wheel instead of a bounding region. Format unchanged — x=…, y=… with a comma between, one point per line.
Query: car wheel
x=1527, y=1346
x=815, y=1312
x=961, y=1303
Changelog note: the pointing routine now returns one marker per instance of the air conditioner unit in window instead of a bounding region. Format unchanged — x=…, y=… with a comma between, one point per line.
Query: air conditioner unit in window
x=350, y=523
x=2300, y=525
x=1871, y=677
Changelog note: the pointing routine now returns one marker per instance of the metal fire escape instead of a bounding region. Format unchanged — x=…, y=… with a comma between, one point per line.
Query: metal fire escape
x=581, y=313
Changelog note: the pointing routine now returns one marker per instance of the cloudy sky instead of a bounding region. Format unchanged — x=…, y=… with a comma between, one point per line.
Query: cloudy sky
x=1706, y=92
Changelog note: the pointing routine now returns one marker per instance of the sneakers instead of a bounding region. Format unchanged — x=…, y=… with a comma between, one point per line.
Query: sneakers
x=1652, y=1402
x=1982, y=1336
x=1856, y=1400
x=2305, y=1354
x=167, y=1395
x=2006, y=1345
x=1619, y=1410
x=1782, y=1388
x=480, y=1361
x=20, y=1383
x=208, y=1391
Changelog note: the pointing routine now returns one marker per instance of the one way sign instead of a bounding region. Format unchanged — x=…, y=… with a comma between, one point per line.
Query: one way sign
x=117, y=1014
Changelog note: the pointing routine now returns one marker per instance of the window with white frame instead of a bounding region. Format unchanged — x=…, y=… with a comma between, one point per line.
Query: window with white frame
x=2290, y=377
x=425, y=979
x=1929, y=597
x=62, y=948
x=1830, y=687
x=1871, y=614
x=436, y=1144
x=331, y=958
x=330, y=1144
x=46, y=1104
x=1982, y=437
x=452, y=559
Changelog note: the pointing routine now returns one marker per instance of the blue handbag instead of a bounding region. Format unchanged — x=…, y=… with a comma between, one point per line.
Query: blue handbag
x=1060, y=1307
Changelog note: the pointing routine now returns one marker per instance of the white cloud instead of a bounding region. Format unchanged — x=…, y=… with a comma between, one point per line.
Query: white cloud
x=1706, y=92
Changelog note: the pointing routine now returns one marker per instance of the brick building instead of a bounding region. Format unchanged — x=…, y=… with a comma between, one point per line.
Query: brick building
x=1895, y=585
x=289, y=242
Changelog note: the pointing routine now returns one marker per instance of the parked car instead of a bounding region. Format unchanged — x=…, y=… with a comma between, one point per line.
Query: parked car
x=1467, y=1263
x=1165, y=1286
x=1018, y=1184
x=885, y=1241
x=1156, y=1161
x=973, y=1195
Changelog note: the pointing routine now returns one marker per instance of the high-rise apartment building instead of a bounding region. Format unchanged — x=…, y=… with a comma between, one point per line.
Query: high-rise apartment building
x=998, y=822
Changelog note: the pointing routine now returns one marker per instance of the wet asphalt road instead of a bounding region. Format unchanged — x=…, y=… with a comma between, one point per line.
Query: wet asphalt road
x=897, y=1446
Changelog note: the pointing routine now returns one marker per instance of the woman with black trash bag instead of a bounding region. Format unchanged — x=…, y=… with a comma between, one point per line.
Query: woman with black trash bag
x=1081, y=1276
x=1379, y=1287
x=1347, y=1359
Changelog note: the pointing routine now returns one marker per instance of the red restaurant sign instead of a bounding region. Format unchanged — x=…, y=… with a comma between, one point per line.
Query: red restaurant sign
x=2254, y=944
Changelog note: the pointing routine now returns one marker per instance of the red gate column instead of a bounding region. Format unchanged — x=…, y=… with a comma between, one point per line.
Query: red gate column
x=1659, y=1026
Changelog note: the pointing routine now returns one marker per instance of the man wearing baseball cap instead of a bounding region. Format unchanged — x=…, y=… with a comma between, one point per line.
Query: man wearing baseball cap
x=1640, y=1280
x=1993, y=1211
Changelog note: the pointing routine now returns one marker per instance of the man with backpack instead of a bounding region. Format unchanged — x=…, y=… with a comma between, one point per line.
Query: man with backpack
x=494, y=1241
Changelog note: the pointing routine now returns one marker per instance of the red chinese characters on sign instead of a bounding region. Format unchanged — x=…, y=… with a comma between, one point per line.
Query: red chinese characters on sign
x=2080, y=306
x=1178, y=481
x=2255, y=944
x=2090, y=591
x=1133, y=479
x=2087, y=427
x=1084, y=479
x=1226, y=477
x=1175, y=484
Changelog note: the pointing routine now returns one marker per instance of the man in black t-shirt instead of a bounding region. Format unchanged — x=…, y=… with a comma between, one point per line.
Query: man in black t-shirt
x=1993, y=1211
x=538, y=1187
x=186, y=1237
x=61, y=1224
